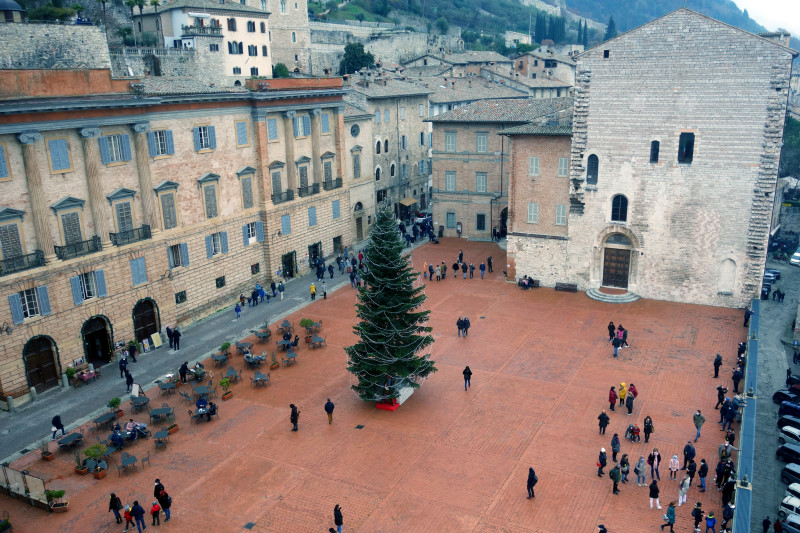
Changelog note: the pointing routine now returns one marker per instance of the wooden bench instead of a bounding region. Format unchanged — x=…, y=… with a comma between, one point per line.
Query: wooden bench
x=571, y=287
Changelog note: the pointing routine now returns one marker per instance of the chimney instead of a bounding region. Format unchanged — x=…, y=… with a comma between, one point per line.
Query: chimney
x=469, y=84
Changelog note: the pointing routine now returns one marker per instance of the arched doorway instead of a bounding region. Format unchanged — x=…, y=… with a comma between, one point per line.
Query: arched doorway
x=359, y=209
x=97, y=340
x=41, y=363
x=616, y=261
x=145, y=319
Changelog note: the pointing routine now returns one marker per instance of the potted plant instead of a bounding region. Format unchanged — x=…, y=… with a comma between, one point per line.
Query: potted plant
x=55, y=499
x=274, y=364
x=224, y=348
x=71, y=372
x=80, y=465
x=95, y=452
x=307, y=323
x=172, y=429
x=5, y=525
x=47, y=455
x=114, y=404
x=225, y=383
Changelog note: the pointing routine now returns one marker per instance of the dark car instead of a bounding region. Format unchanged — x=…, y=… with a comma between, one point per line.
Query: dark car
x=788, y=453
x=788, y=420
x=786, y=395
x=793, y=380
x=790, y=473
x=774, y=271
x=789, y=408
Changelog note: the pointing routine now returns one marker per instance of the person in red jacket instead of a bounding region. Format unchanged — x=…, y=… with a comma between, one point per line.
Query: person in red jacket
x=128, y=518
x=155, y=510
x=612, y=398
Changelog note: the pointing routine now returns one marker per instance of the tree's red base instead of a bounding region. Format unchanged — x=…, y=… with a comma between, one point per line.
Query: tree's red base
x=388, y=406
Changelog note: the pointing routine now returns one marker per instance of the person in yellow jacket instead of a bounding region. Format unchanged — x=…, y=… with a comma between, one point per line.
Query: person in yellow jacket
x=313, y=292
x=425, y=270
x=623, y=392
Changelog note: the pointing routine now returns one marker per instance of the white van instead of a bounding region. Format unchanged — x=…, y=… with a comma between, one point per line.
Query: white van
x=793, y=490
x=790, y=505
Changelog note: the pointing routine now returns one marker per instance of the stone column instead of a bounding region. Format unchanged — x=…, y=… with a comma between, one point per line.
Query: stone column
x=91, y=157
x=339, y=143
x=288, y=135
x=262, y=153
x=316, y=162
x=145, y=181
x=44, y=240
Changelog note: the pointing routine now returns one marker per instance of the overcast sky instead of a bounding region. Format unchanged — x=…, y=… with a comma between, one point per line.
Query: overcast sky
x=773, y=14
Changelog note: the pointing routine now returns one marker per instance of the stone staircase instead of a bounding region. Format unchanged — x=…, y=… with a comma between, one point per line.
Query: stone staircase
x=626, y=298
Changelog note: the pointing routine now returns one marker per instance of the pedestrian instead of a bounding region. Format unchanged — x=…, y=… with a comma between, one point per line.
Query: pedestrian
x=467, y=377
x=691, y=470
x=532, y=481
x=639, y=469
x=464, y=269
x=720, y=473
x=697, y=514
x=614, y=447
x=123, y=366
x=648, y=428
x=602, y=461
x=625, y=337
x=623, y=393
x=438, y=272
x=466, y=326
x=329, y=410
x=674, y=466
x=169, y=336
x=324, y=291
x=601, y=529
x=128, y=518
x=612, y=398
x=699, y=420
x=157, y=488
x=654, y=460
x=727, y=516
x=338, y=521
x=115, y=504
x=273, y=288
x=176, y=339
x=669, y=518
x=313, y=290
x=482, y=268
x=721, y=391
x=165, y=501
x=603, y=422
x=777, y=526
x=137, y=512
x=765, y=524
x=425, y=270
x=611, y=330
x=460, y=256
x=629, y=403
x=654, y=490
x=281, y=288
x=456, y=267
x=728, y=489
x=238, y=311
x=624, y=467
x=688, y=453
x=128, y=380
x=702, y=472
x=717, y=364
x=711, y=521
x=330, y=271
x=254, y=297
x=471, y=269
x=747, y=314
x=460, y=325
x=183, y=370
x=489, y=263
x=616, y=343
x=736, y=377
x=632, y=390
x=444, y=271
x=294, y=416
x=683, y=488
x=615, y=476
x=155, y=512
x=57, y=425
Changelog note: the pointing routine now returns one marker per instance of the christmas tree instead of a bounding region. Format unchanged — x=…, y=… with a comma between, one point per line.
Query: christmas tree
x=391, y=328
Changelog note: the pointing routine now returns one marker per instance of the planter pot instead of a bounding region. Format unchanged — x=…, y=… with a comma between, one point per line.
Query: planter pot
x=173, y=429
x=308, y=338
x=82, y=471
x=273, y=366
x=49, y=456
x=227, y=396
x=101, y=474
x=120, y=413
x=59, y=507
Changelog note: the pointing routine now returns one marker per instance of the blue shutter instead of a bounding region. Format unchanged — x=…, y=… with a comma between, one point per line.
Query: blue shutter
x=126, y=147
x=430, y=140
x=286, y=224
x=212, y=137
x=336, y=209
x=170, y=143
x=15, y=302
x=103, y=142
x=3, y=163
x=169, y=259
x=260, y=231
x=325, y=126
x=100, y=280
x=138, y=271
x=185, y=254
x=59, y=154
x=151, y=143
x=312, y=216
x=241, y=133
x=245, y=238
x=44, y=300
x=134, y=272
x=272, y=128
x=142, y=270
x=224, y=239
x=294, y=123
x=77, y=294
x=306, y=125
x=196, y=133
x=209, y=247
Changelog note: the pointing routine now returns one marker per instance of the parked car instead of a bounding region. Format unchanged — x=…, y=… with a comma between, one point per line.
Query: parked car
x=795, y=259
x=790, y=473
x=788, y=453
x=786, y=395
x=789, y=420
x=789, y=408
x=774, y=271
x=789, y=434
x=792, y=381
x=422, y=218
x=793, y=490
x=770, y=278
x=791, y=524
x=789, y=506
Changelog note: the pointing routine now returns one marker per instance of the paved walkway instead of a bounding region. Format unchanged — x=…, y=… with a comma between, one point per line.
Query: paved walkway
x=448, y=459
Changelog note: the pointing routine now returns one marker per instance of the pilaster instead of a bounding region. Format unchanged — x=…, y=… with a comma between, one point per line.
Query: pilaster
x=316, y=162
x=288, y=135
x=262, y=153
x=145, y=179
x=339, y=143
x=97, y=203
x=44, y=240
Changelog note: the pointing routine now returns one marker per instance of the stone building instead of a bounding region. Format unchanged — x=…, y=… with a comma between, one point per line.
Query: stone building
x=400, y=139
x=535, y=87
x=471, y=165
x=290, y=35
x=10, y=11
x=126, y=210
x=670, y=195
x=448, y=93
x=545, y=64
x=461, y=64
x=358, y=146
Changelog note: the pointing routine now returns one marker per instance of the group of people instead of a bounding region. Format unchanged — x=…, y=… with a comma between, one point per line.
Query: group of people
x=626, y=397
x=618, y=337
x=439, y=272
x=199, y=371
x=134, y=513
x=463, y=326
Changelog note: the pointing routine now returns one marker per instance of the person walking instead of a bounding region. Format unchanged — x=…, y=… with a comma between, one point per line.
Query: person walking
x=688, y=453
x=699, y=420
x=614, y=447
x=654, y=460
x=624, y=467
x=324, y=291
x=176, y=339
x=455, y=269
x=616, y=343
x=697, y=514
x=461, y=256
x=721, y=391
x=155, y=512
x=615, y=476
x=612, y=398
x=482, y=268
x=238, y=315
x=123, y=366
x=489, y=263
x=330, y=271
x=169, y=336
x=702, y=473
x=464, y=269
x=460, y=325
x=711, y=522
x=57, y=425
x=727, y=516
x=604, y=420
x=717, y=364
x=273, y=288
x=765, y=524
x=466, y=326
x=669, y=518
x=467, y=377
x=674, y=466
x=338, y=521
x=654, y=491
x=128, y=518
x=532, y=481
x=683, y=488
x=137, y=512
x=624, y=337
x=114, y=505
x=158, y=487
x=329, y=409
x=602, y=461
x=281, y=288
x=471, y=270
x=623, y=393
x=165, y=501
x=183, y=370
x=313, y=291
x=128, y=380
x=294, y=416
x=648, y=428
x=777, y=526
x=629, y=403
x=611, y=329
x=639, y=469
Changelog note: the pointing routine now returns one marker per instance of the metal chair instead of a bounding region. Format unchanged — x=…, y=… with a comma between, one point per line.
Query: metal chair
x=185, y=396
x=191, y=416
x=121, y=469
x=213, y=392
x=164, y=405
x=145, y=459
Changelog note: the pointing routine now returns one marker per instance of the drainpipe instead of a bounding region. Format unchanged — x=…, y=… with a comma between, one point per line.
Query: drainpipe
x=502, y=153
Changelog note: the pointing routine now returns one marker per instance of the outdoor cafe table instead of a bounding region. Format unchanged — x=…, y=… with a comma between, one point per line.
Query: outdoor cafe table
x=166, y=387
x=161, y=411
x=290, y=357
x=220, y=359
x=316, y=341
x=161, y=435
x=201, y=390
x=259, y=378
x=70, y=440
x=263, y=336
x=286, y=326
x=105, y=418
x=131, y=460
x=139, y=402
x=285, y=344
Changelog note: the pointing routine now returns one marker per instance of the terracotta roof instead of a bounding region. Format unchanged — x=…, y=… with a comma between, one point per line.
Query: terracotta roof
x=448, y=89
x=392, y=89
x=476, y=57
x=351, y=110
x=424, y=71
x=228, y=5
x=184, y=85
x=515, y=111
x=534, y=83
x=538, y=128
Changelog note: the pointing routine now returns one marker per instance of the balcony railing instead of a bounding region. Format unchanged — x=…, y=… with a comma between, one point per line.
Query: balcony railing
x=308, y=191
x=129, y=236
x=79, y=249
x=286, y=196
x=329, y=185
x=201, y=30
x=21, y=262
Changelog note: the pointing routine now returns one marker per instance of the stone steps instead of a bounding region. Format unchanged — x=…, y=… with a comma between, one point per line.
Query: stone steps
x=626, y=298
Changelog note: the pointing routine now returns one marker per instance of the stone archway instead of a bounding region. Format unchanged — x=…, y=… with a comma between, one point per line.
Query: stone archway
x=42, y=367
x=145, y=319
x=97, y=340
x=615, y=258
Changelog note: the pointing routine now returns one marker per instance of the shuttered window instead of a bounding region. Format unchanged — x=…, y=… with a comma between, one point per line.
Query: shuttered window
x=326, y=127
x=328, y=170
x=286, y=224
x=450, y=220
x=241, y=134
x=272, y=129
x=533, y=166
x=29, y=303
x=312, y=216
x=356, y=166
x=10, y=242
x=160, y=143
x=204, y=138
x=335, y=209
x=480, y=181
x=481, y=142
x=59, y=155
x=168, y=214
x=71, y=223
x=124, y=216
x=247, y=193
x=533, y=213
x=450, y=181
x=561, y=214
x=450, y=141
x=138, y=271
x=303, y=176
x=276, y=183
x=210, y=197
x=3, y=162
x=115, y=148
x=563, y=167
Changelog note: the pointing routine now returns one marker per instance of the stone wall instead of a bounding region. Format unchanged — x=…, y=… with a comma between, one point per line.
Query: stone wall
x=197, y=63
x=52, y=46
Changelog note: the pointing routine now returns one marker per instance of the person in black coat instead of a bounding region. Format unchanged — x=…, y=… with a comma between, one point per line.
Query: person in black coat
x=717, y=364
x=330, y=271
x=460, y=256
x=611, y=331
x=57, y=424
x=123, y=366
x=460, y=325
x=137, y=512
x=169, y=336
x=157, y=489
x=128, y=380
x=337, y=518
x=176, y=339
x=183, y=370
x=467, y=376
x=604, y=420
x=489, y=263
x=532, y=481
x=464, y=269
x=601, y=462
x=329, y=410
x=115, y=504
x=165, y=501
x=466, y=325
x=294, y=417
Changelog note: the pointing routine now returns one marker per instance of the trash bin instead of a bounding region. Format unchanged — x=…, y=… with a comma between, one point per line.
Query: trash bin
x=441, y=231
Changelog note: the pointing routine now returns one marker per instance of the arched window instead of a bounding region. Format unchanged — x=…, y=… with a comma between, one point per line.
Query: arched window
x=241, y=48
x=386, y=146
x=294, y=37
x=654, y=148
x=283, y=6
x=391, y=171
x=592, y=168
x=378, y=147
x=377, y=174
x=263, y=28
x=619, y=208
x=231, y=24
x=727, y=276
x=251, y=26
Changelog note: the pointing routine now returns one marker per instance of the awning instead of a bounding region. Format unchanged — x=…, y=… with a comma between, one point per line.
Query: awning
x=408, y=202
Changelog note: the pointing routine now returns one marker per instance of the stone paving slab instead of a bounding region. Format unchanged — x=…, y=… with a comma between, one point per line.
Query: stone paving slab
x=448, y=459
